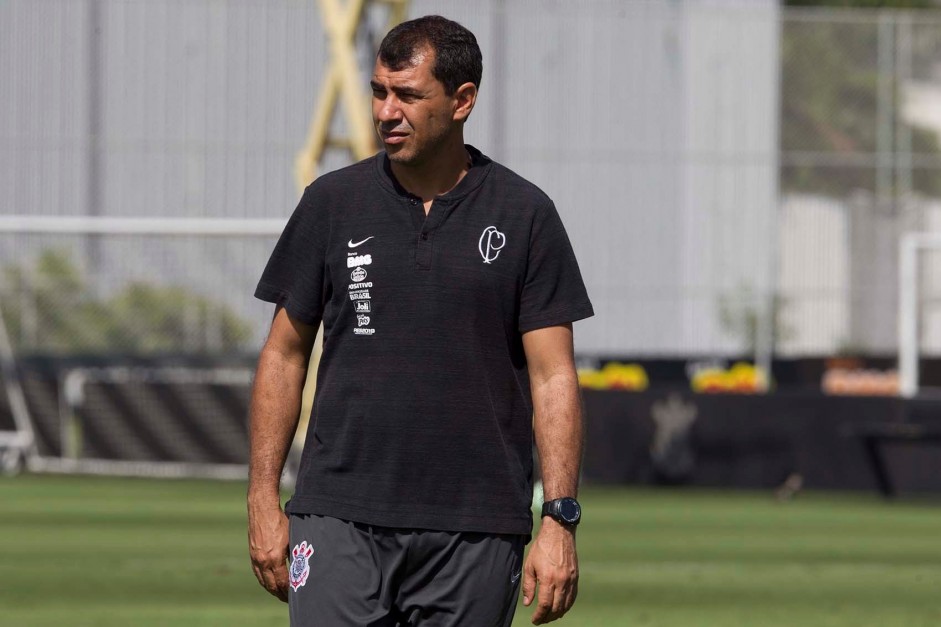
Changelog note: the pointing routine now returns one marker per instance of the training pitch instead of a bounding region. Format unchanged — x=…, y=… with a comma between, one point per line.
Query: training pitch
x=83, y=552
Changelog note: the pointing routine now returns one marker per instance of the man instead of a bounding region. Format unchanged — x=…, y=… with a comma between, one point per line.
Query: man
x=447, y=287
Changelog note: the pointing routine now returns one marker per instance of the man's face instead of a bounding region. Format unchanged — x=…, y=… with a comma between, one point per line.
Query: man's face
x=412, y=113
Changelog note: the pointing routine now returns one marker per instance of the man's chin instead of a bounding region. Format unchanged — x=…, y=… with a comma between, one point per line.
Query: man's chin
x=399, y=156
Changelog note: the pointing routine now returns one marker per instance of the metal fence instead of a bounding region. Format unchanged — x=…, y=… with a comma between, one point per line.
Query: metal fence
x=734, y=176
x=860, y=166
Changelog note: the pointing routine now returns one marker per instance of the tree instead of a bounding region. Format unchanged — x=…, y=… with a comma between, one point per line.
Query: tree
x=50, y=307
x=830, y=99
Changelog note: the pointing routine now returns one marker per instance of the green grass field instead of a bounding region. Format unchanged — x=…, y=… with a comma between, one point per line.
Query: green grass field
x=82, y=552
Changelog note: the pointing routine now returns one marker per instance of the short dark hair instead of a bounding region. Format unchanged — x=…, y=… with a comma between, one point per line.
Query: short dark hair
x=457, y=55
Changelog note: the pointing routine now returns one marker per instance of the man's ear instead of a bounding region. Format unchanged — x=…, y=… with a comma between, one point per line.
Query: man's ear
x=465, y=97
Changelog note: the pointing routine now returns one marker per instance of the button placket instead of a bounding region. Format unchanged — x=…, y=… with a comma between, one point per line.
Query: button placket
x=425, y=241
x=423, y=251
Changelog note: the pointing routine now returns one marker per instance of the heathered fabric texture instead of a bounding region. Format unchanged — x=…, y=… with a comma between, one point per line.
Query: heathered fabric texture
x=423, y=413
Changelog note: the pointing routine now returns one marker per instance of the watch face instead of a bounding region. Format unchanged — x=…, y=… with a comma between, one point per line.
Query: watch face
x=569, y=510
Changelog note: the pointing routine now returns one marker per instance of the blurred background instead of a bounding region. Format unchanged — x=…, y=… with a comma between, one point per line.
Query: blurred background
x=752, y=188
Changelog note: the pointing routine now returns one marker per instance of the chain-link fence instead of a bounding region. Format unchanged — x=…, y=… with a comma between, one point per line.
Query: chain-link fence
x=860, y=165
x=130, y=351
x=138, y=294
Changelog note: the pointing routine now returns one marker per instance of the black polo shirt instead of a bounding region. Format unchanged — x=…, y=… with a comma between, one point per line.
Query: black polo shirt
x=423, y=415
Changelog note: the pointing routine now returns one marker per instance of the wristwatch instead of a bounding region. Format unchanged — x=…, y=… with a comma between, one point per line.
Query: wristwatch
x=565, y=510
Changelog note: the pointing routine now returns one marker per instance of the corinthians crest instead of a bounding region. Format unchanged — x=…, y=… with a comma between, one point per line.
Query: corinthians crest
x=490, y=244
x=300, y=564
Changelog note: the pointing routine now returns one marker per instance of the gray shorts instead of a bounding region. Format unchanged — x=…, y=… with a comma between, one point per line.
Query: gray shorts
x=349, y=574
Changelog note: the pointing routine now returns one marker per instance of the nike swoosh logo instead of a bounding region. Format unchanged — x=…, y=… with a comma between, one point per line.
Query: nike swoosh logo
x=514, y=578
x=352, y=245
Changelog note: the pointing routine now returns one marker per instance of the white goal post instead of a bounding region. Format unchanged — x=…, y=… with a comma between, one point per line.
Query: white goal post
x=129, y=456
x=909, y=338
x=121, y=431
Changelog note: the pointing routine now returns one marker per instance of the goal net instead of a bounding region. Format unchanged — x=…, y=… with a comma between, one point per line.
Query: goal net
x=128, y=345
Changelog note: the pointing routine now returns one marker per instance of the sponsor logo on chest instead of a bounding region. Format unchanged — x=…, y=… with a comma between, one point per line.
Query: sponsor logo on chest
x=359, y=289
x=358, y=260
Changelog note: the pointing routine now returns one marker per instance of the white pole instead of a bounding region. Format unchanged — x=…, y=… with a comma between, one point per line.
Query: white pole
x=768, y=295
x=908, y=315
x=24, y=438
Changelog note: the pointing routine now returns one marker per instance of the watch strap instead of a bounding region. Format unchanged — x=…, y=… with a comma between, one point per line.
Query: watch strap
x=553, y=508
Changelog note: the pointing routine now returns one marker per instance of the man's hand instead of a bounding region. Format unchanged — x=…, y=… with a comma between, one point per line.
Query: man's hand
x=553, y=564
x=268, y=545
x=275, y=408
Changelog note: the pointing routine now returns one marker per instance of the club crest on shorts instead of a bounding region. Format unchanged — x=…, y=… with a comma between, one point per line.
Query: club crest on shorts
x=300, y=564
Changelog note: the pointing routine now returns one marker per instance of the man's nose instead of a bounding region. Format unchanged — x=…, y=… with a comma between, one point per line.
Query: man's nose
x=389, y=110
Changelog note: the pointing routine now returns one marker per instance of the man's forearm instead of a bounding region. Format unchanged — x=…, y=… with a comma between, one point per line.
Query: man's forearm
x=559, y=431
x=275, y=409
x=552, y=562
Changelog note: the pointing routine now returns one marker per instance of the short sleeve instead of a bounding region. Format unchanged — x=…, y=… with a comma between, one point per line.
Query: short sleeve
x=553, y=290
x=296, y=272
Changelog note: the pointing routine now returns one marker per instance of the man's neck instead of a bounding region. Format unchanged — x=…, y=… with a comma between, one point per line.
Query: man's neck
x=437, y=176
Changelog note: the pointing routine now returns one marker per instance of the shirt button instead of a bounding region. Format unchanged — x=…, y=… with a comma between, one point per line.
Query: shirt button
x=424, y=236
